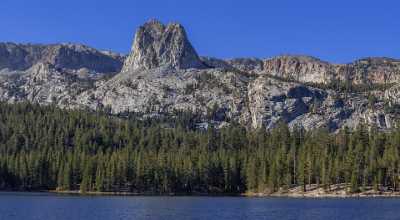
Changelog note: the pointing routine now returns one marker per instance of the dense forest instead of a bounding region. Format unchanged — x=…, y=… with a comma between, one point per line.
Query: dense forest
x=47, y=148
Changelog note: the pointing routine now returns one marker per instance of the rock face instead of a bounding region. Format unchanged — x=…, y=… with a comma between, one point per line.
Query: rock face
x=299, y=68
x=156, y=45
x=372, y=70
x=52, y=73
x=163, y=74
x=19, y=57
x=307, y=69
x=68, y=56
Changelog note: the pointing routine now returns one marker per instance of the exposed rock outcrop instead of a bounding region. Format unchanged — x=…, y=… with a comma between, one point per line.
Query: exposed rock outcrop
x=19, y=57
x=372, y=70
x=156, y=45
x=69, y=56
x=307, y=69
x=300, y=69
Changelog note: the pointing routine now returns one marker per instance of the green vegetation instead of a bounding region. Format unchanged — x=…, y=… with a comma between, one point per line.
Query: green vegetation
x=348, y=87
x=46, y=148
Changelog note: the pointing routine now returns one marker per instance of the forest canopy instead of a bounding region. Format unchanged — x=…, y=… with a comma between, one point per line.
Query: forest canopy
x=47, y=148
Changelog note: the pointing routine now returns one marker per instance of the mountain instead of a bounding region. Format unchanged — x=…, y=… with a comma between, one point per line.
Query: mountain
x=52, y=73
x=69, y=56
x=157, y=45
x=164, y=74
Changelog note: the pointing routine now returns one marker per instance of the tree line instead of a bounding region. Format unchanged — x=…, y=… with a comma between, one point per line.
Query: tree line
x=47, y=148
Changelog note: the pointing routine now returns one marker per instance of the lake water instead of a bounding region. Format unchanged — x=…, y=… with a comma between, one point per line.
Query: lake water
x=27, y=206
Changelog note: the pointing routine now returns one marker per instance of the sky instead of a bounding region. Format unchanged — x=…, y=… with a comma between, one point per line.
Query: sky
x=334, y=30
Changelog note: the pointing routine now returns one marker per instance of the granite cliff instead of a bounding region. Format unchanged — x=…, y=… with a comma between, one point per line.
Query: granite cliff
x=163, y=74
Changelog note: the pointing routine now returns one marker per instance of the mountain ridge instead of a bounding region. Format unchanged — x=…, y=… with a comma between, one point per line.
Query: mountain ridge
x=163, y=74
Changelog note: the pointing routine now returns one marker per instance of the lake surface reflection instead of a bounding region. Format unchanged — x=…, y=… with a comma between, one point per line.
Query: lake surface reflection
x=26, y=206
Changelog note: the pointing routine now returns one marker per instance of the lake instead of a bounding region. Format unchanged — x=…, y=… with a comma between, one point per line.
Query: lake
x=47, y=206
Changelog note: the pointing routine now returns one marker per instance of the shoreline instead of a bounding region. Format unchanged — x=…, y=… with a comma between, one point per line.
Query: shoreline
x=312, y=191
x=335, y=191
x=95, y=193
x=326, y=195
x=246, y=194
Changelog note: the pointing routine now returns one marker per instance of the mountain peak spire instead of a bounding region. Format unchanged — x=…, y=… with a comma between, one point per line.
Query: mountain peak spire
x=156, y=45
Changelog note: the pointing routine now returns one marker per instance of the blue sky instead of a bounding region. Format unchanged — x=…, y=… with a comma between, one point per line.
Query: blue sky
x=334, y=30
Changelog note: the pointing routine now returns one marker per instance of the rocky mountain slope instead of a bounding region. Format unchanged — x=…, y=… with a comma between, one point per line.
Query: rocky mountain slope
x=163, y=74
x=52, y=73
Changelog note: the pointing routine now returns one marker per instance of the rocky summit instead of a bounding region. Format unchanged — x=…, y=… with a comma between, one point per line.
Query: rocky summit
x=157, y=45
x=163, y=74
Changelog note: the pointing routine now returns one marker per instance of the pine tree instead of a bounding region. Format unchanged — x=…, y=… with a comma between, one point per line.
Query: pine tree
x=67, y=177
x=354, y=185
x=86, y=183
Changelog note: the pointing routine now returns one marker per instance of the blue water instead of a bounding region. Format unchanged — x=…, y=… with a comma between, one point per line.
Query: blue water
x=27, y=206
